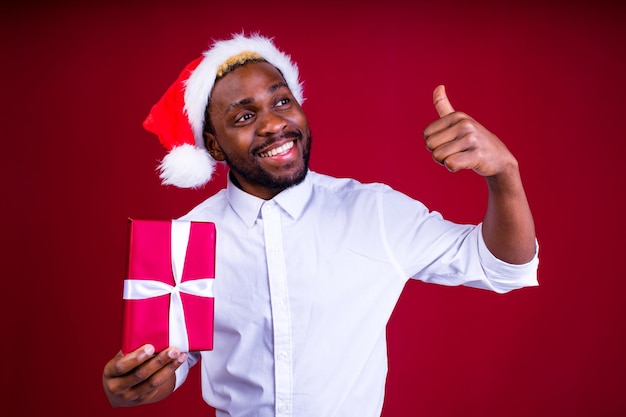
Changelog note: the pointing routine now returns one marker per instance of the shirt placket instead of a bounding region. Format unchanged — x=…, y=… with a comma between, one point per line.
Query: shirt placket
x=279, y=299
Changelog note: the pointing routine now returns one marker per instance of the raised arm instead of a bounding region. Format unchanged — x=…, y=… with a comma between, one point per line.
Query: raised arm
x=457, y=141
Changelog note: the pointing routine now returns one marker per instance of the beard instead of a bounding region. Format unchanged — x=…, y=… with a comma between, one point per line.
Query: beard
x=255, y=174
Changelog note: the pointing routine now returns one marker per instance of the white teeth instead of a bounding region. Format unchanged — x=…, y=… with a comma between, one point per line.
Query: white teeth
x=276, y=151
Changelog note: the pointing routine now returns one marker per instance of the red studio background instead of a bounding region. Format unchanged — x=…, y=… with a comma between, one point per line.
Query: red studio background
x=78, y=78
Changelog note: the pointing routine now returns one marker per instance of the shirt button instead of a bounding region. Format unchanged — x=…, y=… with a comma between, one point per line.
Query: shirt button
x=283, y=407
x=283, y=355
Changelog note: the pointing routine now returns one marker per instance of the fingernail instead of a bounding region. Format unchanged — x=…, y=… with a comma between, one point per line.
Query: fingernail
x=173, y=354
x=148, y=350
x=182, y=358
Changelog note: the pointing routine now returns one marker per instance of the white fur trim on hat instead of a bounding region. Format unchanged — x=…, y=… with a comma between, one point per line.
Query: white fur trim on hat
x=200, y=83
x=186, y=166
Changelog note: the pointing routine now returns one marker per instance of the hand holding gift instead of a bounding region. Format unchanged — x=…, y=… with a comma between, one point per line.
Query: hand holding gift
x=168, y=304
x=140, y=376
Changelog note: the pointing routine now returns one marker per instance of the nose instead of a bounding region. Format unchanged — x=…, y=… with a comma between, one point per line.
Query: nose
x=271, y=123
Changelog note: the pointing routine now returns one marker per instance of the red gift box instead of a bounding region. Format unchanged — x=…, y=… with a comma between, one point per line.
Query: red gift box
x=168, y=294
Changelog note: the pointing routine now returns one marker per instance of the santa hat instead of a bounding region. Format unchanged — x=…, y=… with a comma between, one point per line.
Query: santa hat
x=178, y=117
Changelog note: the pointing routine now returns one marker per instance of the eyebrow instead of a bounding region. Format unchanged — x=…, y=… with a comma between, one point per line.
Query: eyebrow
x=248, y=100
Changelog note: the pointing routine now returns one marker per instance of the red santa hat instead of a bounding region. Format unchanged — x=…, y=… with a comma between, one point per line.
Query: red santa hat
x=178, y=117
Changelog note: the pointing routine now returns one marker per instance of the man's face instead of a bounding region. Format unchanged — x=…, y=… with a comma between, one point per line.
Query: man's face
x=260, y=130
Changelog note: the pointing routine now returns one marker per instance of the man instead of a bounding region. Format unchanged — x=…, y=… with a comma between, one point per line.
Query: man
x=309, y=267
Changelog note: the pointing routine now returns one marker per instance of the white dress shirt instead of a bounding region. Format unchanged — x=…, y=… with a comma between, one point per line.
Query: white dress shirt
x=305, y=284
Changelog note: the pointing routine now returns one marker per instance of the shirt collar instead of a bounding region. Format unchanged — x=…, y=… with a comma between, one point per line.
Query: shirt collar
x=293, y=200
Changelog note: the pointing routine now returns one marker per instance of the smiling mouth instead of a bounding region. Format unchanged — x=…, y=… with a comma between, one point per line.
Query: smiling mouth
x=277, y=151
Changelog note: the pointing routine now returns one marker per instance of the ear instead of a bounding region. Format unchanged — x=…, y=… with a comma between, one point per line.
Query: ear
x=213, y=147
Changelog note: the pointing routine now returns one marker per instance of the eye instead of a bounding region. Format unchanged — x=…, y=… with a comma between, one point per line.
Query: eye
x=243, y=118
x=283, y=102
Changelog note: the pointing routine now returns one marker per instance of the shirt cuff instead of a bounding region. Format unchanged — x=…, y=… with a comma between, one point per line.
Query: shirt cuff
x=508, y=276
x=181, y=374
x=183, y=370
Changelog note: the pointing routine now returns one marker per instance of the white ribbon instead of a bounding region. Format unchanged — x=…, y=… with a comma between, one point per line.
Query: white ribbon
x=140, y=289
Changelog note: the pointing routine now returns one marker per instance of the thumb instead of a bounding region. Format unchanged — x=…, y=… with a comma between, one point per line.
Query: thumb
x=441, y=102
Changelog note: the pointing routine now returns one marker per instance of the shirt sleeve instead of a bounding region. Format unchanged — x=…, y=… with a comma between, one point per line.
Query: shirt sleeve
x=432, y=249
x=183, y=370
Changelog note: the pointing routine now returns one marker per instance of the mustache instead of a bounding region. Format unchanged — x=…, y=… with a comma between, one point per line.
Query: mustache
x=295, y=134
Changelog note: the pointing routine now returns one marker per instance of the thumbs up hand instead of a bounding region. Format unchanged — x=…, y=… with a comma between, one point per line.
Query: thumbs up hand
x=457, y=141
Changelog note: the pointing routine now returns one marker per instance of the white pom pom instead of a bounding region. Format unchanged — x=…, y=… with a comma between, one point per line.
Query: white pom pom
x=186, y=166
